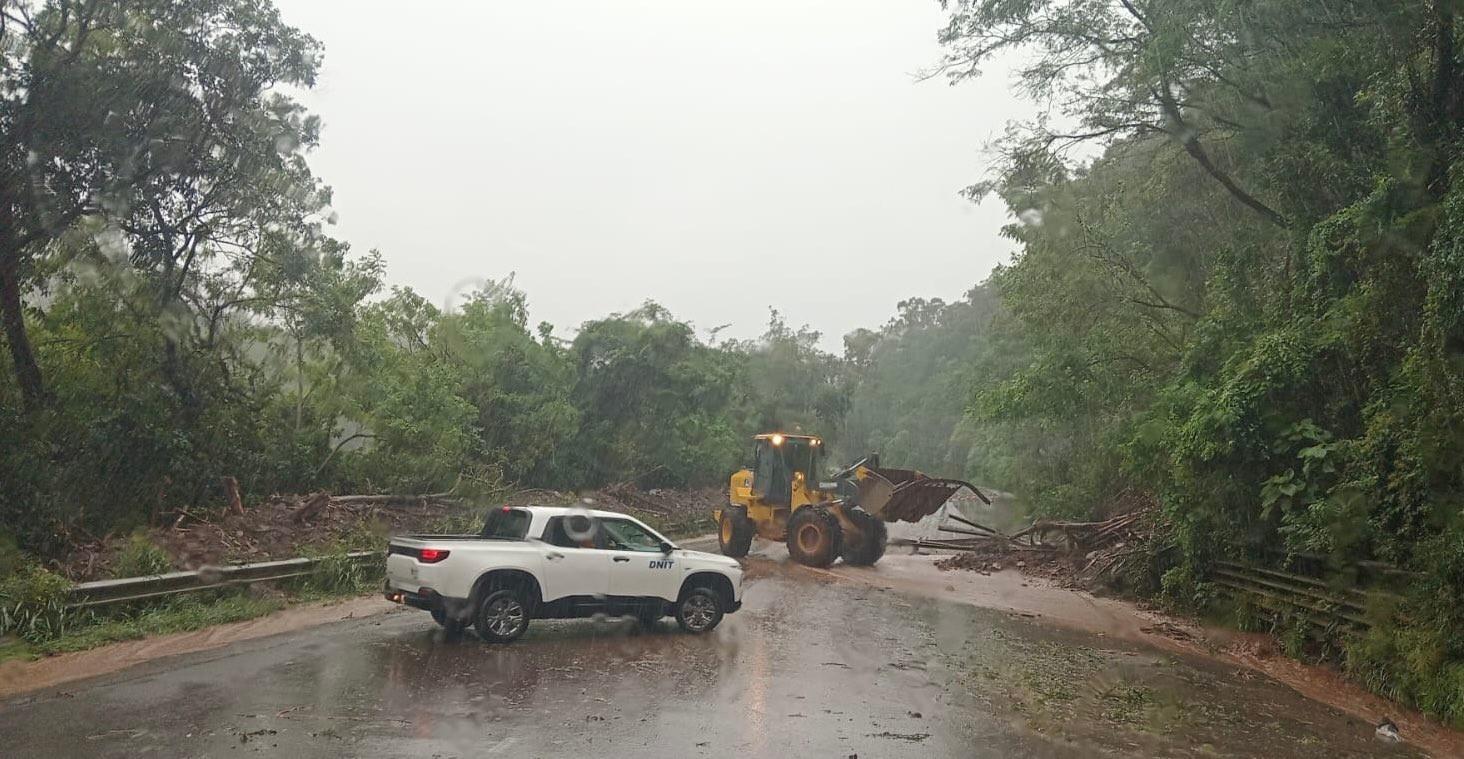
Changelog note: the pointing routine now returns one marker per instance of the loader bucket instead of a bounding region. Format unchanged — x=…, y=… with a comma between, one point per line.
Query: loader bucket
x=905, y=495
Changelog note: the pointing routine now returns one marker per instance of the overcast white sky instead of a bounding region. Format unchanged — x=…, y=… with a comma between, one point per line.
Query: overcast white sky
x=719, y=158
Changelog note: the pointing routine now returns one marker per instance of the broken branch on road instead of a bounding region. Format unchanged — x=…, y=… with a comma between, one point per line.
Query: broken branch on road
x=1078, y=553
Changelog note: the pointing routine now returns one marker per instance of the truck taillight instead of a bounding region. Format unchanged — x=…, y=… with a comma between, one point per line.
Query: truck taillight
x=431, y=555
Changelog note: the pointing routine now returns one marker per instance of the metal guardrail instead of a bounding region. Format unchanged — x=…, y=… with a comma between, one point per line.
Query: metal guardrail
x=1323, y=604
x=90, y=595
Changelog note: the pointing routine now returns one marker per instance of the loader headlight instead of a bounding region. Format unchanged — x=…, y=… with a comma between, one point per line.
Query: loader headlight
x=777, y=440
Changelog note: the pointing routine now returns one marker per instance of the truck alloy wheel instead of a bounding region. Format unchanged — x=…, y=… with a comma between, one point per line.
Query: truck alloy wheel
x=699, y=611
x=502, y=617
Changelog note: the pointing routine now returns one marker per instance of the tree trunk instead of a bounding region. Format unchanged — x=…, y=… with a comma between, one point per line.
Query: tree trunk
x=231, y=490
x=299, y=384
x=12, y=313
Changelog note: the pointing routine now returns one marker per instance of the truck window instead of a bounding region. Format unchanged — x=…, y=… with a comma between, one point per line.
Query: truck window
x=574, y=531
x=621, y=535
x=507, y=524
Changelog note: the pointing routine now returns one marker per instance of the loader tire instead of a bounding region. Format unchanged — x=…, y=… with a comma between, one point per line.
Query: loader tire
x=814, y=536
x=734, y=534
x=866, y=544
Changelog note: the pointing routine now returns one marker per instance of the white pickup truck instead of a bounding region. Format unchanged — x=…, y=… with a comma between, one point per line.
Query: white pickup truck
x=542, y=562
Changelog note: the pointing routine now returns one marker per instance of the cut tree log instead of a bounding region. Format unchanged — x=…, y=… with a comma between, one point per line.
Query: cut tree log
x=626, y=493
x=231, y=491
x=386, y=499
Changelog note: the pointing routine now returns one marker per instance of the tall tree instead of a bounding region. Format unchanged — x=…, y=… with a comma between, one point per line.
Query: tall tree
x=143, y=112
x=657, y=405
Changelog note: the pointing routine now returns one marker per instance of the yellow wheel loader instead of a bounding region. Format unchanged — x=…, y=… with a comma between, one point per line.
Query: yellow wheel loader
x=781, y=497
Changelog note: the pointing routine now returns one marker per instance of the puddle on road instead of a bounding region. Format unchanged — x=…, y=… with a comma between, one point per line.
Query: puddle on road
x=558, y=655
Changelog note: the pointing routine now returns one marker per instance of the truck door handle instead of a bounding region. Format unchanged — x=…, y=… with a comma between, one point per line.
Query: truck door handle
x=555, y=556
x=622, y=558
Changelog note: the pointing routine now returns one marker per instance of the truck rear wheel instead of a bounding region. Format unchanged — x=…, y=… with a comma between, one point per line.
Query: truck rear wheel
x=814, y=536
x=734, y=534
x=452, y=626
x=503, y=616
x=865, y=544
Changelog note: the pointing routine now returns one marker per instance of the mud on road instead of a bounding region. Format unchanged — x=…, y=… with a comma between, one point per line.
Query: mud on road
x=813, y=665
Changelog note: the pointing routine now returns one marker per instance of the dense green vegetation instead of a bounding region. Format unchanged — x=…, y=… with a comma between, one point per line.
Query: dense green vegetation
x=1250, y=303
x=1238, y=289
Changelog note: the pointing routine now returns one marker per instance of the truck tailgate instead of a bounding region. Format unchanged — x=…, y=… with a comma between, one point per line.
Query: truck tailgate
x=405, y=564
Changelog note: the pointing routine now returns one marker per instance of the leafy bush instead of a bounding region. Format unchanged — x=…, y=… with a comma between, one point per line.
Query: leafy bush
x=142, y=557
x=33, y=604
x=1414, y=653
x=178, y=614
x=457, y=523
x=339, y=573
x=1182, y=588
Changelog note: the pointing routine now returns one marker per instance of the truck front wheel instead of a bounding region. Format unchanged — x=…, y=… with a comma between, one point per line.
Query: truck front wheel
x=699, y=610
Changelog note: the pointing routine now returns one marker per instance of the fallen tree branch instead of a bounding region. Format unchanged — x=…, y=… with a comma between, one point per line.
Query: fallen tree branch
x=963, y=531
x=387, y=499
x=184, y=513
x=969, y=523
x=337, y=449
x=312, y=505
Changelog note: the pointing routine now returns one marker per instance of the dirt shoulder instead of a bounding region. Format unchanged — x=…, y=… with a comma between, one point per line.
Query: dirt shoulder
x=18, y=676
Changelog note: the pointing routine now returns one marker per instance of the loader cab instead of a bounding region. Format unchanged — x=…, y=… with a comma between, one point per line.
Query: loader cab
x=781, y=460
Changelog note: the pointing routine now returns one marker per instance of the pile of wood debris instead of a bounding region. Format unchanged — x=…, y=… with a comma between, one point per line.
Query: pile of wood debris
x=1073, y=553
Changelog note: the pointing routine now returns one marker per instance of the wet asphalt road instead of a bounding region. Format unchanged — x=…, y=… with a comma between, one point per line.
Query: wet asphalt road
x=809, y=667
